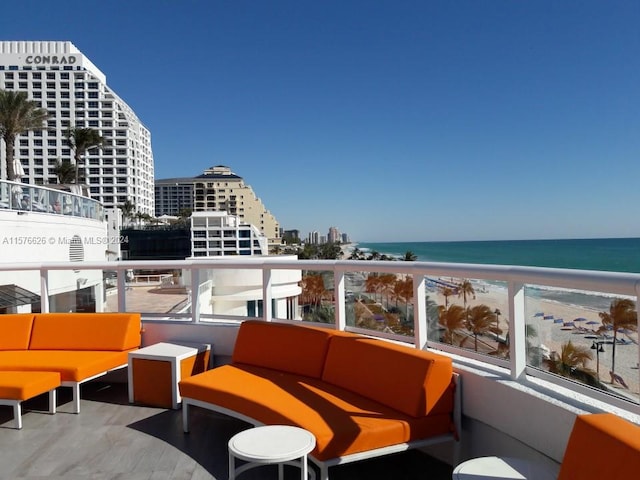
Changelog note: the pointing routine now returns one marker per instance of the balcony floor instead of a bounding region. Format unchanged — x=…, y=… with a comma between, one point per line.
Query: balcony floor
x=111, y=439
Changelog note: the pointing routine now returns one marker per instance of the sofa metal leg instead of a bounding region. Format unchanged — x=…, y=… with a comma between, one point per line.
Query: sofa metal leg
x=17, y=415
x=185, y=417
x=52, y=401
x=324, y=472
x=76, y=397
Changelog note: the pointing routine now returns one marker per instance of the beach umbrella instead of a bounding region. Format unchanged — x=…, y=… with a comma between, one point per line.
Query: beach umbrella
x=592, y=322
x=568, y=324
x=580, y=319
x=539, y=314
x=558, y=320
x=548, y=317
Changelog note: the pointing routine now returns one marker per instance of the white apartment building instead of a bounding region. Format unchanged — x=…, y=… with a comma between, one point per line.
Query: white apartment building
x=75, y=92
x=217, y=189
x=218, y=234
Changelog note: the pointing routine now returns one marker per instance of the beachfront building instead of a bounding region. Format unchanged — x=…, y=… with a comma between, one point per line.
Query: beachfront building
x=62, y=80
x=36, y=231
x=217, y=189
x=219, y=234
x=334, y=235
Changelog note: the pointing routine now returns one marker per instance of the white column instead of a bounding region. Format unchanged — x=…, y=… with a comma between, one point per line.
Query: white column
x=338, y=293
x=420, y=333
x=517, y=330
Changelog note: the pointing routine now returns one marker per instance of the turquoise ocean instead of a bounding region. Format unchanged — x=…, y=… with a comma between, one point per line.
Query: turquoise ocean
x=607, y=254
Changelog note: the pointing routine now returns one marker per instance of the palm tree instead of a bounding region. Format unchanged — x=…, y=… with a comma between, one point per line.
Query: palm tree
x=572, y=362
x=65, y=171
x=622, y=315
x=452, y=319
x=374, y=255
x=372, y=284
x=480, y=320
x=81, y=140
x=17, y=115
x=403, y=290
x=356, y=254
x=446, y=292
x=465, y=288
x=128, y=209
x=409, y=256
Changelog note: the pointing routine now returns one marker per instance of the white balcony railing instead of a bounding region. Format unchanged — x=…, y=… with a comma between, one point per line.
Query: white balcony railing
x=514, y=281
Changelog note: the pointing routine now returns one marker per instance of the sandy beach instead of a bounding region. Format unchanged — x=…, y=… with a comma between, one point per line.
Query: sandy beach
x=553, y=335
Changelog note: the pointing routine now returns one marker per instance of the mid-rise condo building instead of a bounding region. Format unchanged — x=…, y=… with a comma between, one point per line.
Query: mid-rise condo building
x=62, y=80
x=217, y=189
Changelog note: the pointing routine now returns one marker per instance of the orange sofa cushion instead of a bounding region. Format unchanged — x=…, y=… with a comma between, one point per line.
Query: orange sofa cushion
x=342, y=421
x=26, y=385
x=85, y=331
x=288, y=348
x=617, y=449
x=74, y=366
x=409, y=380
x=15, y=331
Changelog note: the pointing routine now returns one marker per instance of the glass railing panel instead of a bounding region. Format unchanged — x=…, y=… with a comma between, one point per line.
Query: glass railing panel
x=19, y=291
x=587, y=337
x=468, y=313
x=316, y=301
x=156, y=291
x=31, y=198
x=380, y=301
x=76, y=291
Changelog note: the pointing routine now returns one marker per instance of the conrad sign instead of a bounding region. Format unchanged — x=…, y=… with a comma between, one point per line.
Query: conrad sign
x=50, y=60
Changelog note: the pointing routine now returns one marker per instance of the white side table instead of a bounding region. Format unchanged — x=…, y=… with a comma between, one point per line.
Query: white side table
x=281, y=444
x=488, y=468
x=154, y=371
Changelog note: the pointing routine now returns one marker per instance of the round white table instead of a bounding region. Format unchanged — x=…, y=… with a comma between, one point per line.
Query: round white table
x=508, y=468
x=271, y=444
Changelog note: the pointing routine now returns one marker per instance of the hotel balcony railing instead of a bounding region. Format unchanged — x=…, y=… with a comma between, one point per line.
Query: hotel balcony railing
x=518, y=312
x=22, y=197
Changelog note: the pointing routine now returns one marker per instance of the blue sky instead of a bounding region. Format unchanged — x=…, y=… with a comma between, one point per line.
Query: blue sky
x=391, y=120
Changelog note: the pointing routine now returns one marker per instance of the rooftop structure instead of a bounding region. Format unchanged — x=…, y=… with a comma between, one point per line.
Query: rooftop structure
x=218, y=234
x=62, y=80
x=217, y=189
x=512, y=404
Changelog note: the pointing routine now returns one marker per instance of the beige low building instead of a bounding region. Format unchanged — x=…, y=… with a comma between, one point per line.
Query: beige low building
x=217, y=189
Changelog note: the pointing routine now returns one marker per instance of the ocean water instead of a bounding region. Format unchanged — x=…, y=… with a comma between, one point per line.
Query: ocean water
x=606, y=254
x=610, y=254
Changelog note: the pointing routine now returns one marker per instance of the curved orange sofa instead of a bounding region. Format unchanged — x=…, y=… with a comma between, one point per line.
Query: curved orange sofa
x=602, y=445
x=79, y=346
x=360, y=397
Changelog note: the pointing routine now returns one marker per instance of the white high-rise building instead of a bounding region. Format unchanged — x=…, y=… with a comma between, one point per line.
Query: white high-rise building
x=75, y=92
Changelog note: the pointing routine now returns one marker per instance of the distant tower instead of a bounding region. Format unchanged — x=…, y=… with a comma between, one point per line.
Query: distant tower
x=334, y=235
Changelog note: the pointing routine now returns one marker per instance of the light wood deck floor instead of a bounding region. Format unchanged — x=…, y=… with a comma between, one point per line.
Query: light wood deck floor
x=111, y=439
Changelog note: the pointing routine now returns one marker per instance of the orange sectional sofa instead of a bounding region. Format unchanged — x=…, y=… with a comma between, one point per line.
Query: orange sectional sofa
x=602, y=445
x=79, y=346
x=360, y=397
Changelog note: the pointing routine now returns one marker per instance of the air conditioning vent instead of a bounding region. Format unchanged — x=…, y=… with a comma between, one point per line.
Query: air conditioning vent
x=76, y=250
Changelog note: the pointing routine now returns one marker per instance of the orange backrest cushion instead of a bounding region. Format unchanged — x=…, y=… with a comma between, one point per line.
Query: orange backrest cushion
x=15, y=331
x=602, y=446
x=403, y=378
x=289, y=348
x=85, y=331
